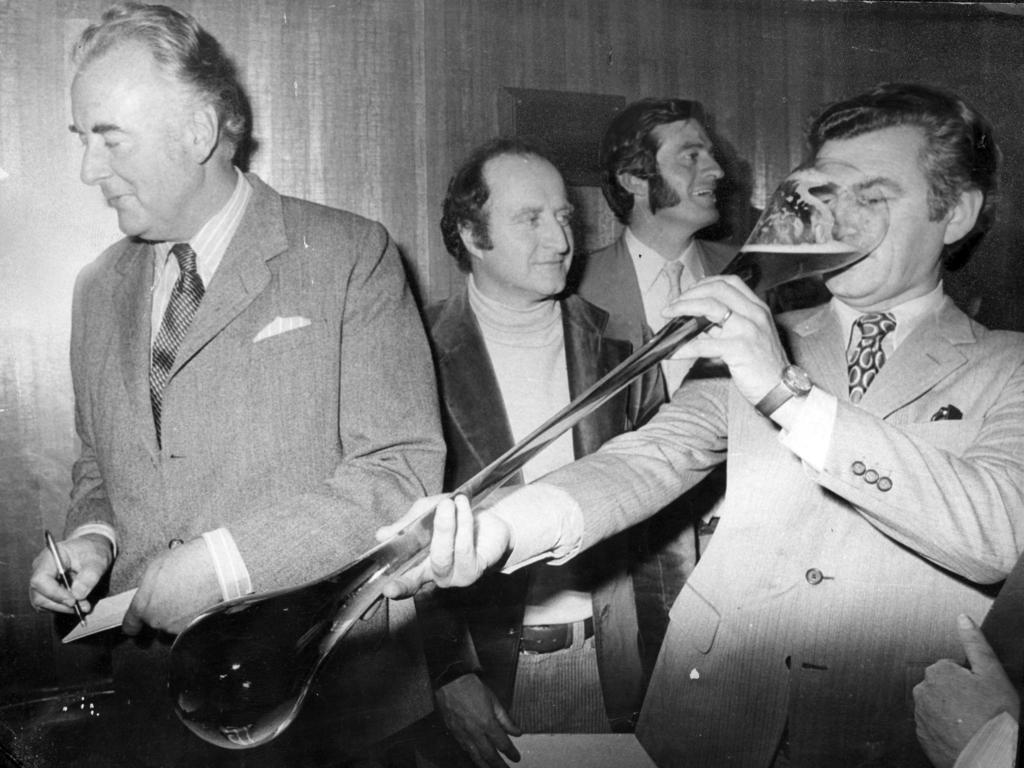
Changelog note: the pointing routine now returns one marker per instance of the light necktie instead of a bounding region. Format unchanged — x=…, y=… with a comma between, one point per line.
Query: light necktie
x=185, y=298
x=866, y=358
x=673, y=271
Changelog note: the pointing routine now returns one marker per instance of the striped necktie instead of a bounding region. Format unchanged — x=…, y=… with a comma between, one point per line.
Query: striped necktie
x=185, y=297
x=866, y=358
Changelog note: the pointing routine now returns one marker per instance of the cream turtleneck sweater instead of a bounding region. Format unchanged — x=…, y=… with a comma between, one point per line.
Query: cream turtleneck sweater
x=527, y=351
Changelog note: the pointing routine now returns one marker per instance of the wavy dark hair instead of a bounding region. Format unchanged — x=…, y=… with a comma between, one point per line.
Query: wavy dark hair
x=185, y=50
x=630, y=146
x=468, y=193
x=960, y=151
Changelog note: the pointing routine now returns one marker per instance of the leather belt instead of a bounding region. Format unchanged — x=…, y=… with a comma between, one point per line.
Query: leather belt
x=548, y=638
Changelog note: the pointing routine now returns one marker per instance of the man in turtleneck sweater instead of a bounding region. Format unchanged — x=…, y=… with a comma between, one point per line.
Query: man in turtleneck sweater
x=551, y=649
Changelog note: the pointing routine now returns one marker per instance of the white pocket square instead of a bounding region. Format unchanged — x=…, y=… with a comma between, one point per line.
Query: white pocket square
x=281, y=325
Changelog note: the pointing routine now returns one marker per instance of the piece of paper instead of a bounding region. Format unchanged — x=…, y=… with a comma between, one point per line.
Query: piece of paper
x=106, y=614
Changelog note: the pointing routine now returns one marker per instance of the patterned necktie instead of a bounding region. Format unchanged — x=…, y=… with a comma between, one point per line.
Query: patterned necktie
x=673, y=271
x=185, y=297
x=866, y=359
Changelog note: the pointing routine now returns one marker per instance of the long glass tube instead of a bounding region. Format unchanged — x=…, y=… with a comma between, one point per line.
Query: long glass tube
x=241, y=671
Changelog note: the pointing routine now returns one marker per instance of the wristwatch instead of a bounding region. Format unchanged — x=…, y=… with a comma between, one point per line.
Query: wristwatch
x=795, y=383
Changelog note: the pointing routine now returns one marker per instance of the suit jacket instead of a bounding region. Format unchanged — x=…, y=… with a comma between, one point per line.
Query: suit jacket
x=609, y=281
x=668, y=542
x=825, y=594
x=300, y=444
x=477, y=432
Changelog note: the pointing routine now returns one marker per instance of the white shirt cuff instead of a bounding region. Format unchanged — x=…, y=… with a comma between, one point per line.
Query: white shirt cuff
x=227, y=560
x=545, y=523
x=994, y=745
x=810, y=433
x=103, y=529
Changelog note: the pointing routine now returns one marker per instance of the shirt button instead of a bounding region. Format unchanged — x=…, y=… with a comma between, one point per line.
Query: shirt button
x=858, y=468
x=871, y=476
x=884, y=484
x=814, y=576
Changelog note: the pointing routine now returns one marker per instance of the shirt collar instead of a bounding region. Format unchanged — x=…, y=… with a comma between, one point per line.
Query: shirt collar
x=211, y=241
x=648, y=263
x=908, y=315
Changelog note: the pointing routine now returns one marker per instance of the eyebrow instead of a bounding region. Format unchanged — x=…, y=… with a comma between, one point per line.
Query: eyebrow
x=533, y=210
x=100, y=128
x=879, y=181
x=699, y=144
x=526, y=211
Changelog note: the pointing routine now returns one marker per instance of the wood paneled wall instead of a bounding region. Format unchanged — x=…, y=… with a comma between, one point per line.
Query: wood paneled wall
x=368, y=105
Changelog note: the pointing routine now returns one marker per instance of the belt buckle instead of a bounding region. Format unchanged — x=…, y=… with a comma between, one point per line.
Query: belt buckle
x=548, y=638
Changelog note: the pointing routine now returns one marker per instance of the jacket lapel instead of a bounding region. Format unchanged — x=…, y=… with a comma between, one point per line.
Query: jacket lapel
x=926, y=357
x=923, y=359
x=242, y=273
x=472, y=396
x=816, y=344
x=132, y=299
x=588, y=357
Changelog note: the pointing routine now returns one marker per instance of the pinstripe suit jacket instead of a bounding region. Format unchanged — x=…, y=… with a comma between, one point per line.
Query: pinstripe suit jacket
x=823, y=595
x=301, y=444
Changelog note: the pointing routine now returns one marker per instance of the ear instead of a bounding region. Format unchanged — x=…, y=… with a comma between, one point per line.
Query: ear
x=466, y=233
x=203, y=132
x=961, y=218
x=633, y=184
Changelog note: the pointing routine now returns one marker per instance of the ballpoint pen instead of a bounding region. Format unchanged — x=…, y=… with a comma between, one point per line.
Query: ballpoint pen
x=62, y=573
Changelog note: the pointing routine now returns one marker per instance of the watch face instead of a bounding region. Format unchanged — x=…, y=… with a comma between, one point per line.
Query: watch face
x=796, y=378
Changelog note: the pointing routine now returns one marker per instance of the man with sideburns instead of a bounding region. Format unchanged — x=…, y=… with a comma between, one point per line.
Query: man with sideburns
x=659, y=176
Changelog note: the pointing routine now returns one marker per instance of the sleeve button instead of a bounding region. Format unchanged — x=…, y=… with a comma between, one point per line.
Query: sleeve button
x=884, y=484
x=858, y=468
x=871, y=476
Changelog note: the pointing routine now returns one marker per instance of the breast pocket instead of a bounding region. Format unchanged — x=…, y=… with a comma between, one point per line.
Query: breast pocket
x=296, y=368
x=291, y=341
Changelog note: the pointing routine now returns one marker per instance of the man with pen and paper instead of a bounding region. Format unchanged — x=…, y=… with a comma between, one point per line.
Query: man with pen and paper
x=875, y=458
x=253, y=392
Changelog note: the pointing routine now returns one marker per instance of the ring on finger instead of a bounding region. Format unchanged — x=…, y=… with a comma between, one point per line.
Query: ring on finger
x=725, y=318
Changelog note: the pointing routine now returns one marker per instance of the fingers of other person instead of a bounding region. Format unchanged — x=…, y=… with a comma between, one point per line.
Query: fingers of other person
x=980, y=656
x=990, y=676
x=478, y=721
x=419, y=508
x=953, y=702
x=938, y=715
x=409, y=583
x=88, y=558
x=437, y=565
x=465, y=565
x=463, y=546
